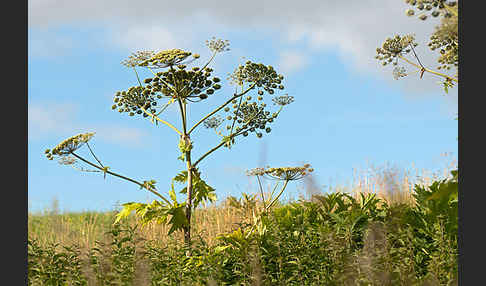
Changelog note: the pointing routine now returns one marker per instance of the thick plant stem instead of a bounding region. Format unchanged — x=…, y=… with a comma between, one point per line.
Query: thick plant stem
x=187, y=229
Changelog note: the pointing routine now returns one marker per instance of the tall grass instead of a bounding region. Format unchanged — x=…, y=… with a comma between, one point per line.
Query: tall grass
x=301, y=243
x=389, y=183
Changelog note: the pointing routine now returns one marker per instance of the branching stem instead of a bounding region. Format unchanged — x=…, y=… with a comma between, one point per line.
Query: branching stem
x=121, y=177
x=279, y=194
x=428, y=70
x=158, y=119
x=220, y=107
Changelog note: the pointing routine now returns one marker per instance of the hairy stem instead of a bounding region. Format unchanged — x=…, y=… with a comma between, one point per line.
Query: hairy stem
x=187, y=229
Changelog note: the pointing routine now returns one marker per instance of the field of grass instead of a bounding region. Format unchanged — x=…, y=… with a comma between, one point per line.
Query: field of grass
x=380, y=230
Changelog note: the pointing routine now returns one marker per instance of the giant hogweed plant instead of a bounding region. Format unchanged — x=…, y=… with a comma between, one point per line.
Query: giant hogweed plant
x=173, y=82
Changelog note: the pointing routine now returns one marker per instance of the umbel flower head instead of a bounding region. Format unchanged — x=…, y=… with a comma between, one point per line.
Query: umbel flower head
x=137, y=58
x=282, y=173
x=251, y=117
x=446, y=40
x=283, y=100
x=399, y=72
x=264, y=77
x=194, y=85
x=213, y=122
x=69, y=145
x=217, y=45
x=394, y=47
x=161, y=59
x=432, y=8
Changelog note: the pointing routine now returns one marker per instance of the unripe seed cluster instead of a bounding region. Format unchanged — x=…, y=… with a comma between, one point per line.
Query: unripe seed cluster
x=217, y=45
x=264, y=77
x=394, y=47
x=69, y=145
x=252, y=117
x=169, y=58
x=282, y=173
x=283, y=100
x=446, y=39
x=432, y=8
x=213, y=122
x=193, y=85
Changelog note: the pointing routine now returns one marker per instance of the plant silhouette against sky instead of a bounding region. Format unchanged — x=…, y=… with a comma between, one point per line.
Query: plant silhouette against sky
x=174, y=82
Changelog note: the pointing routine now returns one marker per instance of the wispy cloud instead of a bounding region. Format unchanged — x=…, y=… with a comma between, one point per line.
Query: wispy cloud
x=49, y=44
x=292, y=61
x=60, y=119
x=50, y=118
x=354, y=28
x=155, y=37
x=121, y=135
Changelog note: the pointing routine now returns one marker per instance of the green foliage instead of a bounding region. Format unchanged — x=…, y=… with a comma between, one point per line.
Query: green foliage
x=332, y=239
x=146, y=212
x=47, y=266
x=114, y=264
x=201, y=191
x=184, y=147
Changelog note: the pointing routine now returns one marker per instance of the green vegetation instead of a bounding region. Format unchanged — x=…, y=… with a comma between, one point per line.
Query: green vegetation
x=328, y=239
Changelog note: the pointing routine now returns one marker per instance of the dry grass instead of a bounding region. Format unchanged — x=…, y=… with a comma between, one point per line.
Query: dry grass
x=83, y=229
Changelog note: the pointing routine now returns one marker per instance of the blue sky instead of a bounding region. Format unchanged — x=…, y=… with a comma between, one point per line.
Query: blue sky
x=348, y=110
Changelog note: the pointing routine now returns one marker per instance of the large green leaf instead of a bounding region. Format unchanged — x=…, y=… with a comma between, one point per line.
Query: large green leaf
x=127, y=210
x=178, y=218
x=202, y=192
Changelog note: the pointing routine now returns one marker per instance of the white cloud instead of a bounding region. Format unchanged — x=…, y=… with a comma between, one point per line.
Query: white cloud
x=50, y=118
x=49, y=44
x=144, y=38
x=355, y=28
x=291, y=61
x=121, y=135
x=60, y=119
